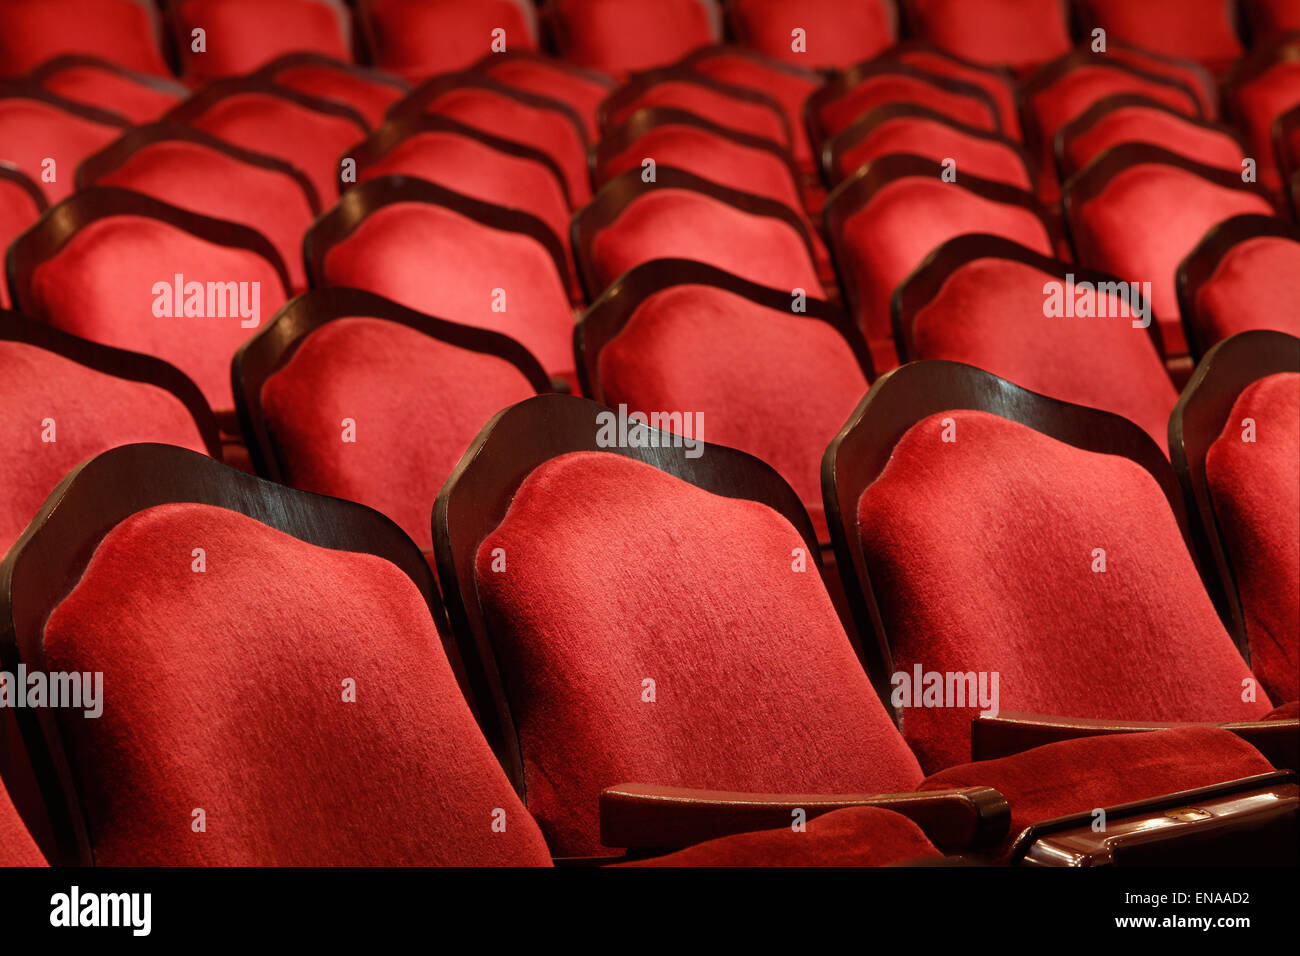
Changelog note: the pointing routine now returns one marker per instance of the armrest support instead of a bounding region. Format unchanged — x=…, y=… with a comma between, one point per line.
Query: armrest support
x=1010, y=733
x=646, y=816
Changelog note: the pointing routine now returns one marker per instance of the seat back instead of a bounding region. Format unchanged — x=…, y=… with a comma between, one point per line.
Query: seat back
x=628, y=36
x=1020, y=34
x=242, y=35
x=369, y=92
x=126, y=32
x=21, y=204
x=45, y=136
x=1261, y=89
x=140, y=97
x=581, y=90
x=831, y=34
x=417, y=39
x=1201, y=30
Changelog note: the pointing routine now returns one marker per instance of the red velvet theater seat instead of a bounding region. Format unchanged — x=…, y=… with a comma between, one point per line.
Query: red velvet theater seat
x=307, y=132
x=45, y=136
x=835, y=33
x=369, y=92
x=450, y=256
x=886, y=218
x=1270, y=17
x=673, y=335
x=1059, y=559
x=1244, y=274
x=1200, y=30
x=495, y=109
x=242, y=35
x=1236, y=444
x=1258, y=92
x=66, y=399
x=627, y=36
x=1187, y=72
x=981, y=300
x=582, y=90
x=417, y=390
x=681, y=216
x=188, y=168
x=1134, y=118
x=1137, y=210
x=904, y=128
x=17, y=848
x=126, y=32
x=140, y=97
x=417, y=39
x=1021, y=34
x=105, y=264
x=996, y=81
x=21, y=204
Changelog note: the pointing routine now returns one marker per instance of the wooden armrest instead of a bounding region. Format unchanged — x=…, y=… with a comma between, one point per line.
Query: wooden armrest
x=1011, y=733
x=646, y=816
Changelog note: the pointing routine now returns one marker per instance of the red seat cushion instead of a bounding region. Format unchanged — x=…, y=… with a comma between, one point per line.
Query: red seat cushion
x=120, y=31
x=434, y=260
x=212, y=183
x=678, y=223
x=122, y=93
x=18, y=210
x=836, y=33
x=100, y=286
x=990, y=313
x=705, y=350
x=886, y=239
x=1016, y=33
x=921, y=136
x=88, y=411
x=369, y=97
x=1200, y=30
x=17, y=848
x=1255, y=286
x=883, y=88
x=416, y=402
x=717, y=106
x=1257, y=104
x=245, y=34
x=856, y=836
x=549, y=78
x=295, y=776
x=625, y=36
x=1146, y=124
x=999, y=578
x=420, y=38
x=1146, y=220
x=646, y=577
x=32, y=131
x=1255, y=490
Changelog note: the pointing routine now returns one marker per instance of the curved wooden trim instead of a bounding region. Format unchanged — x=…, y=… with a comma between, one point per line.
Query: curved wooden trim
x=294, y=60
x=27, y=89
x=20, y=179
x=49, y=559
x=911, y=393
x=475, y=498
x=257, y=85
x=917, y=45
x=59, y=225
x=1283, y=127
x=1207, y=87
x=1199, y=266
x=919, y=289
x=72, y=61
x=624, y=189
x=610, y=314
x=355, y=205
x=1197, y=421
x=275, y=344
x=693, y=59
x=489, y=60
x=98, y=165
x=119, y=363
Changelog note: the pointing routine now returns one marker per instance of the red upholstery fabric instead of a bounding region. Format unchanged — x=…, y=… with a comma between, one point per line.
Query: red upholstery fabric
x=547, y=78
x=32, y=131
x=789, y=89
x=1016, y=33
x=245, y=34
x=1200, y=30
x=291, y=777
x=1146, y=219
x=91, y=411
x=718, y=106
x=705, y=350
x=932, y=139
x=885, y=88
x=1011, y=548
x=837, y=33
x=1145, y=124
x=309, y=139
x=625, y=36
x=17, y=848
x=437, y=261
x=1273, y=16
x=417, y=403
x=989, y=313
x=1257, y=105
x=1255, y=286
x=1284, y=712
x=109, y=90
x=120, y=31
x=1255, y=489
x=17, y=211
x=1191, y=74
x=630, y=561
x=995, y=83
x=1077, y=776
x=678, y=223
x=886, y=239
x=857, y=836
x=100, y=287
x=368, y=97
x=215, y=184
x=544, y=129
x=419, y=38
